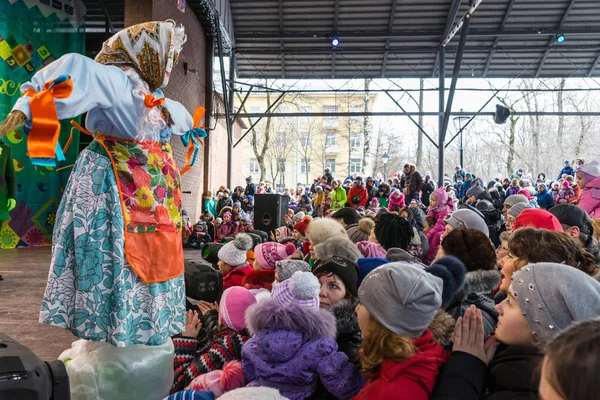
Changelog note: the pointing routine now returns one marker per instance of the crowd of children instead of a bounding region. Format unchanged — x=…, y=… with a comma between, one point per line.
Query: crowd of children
x=369, y=295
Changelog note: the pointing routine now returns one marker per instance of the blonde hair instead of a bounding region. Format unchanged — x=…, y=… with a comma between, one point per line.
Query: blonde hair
x=596, y=225
x=380, y=344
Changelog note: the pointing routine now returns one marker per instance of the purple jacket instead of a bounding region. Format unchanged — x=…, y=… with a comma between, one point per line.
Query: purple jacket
x=292, y=347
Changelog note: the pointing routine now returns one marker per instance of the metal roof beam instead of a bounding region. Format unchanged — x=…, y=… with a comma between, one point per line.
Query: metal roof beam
x=336, y=14
x=551, y=42
x=281, y=45
x=502, y=26
x=452, y=13
x=411, y=113
x=593, y=67
x=109, y=25
x=517, y=33
x=387, y=41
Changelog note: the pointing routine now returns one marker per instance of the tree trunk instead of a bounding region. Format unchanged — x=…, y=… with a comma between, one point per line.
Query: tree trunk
x=561, y=118
x=419, y=132
x=511, y=144
x=366, y=127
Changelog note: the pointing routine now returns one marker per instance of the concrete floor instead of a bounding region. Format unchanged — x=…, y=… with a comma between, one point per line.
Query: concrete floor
x=25, y=274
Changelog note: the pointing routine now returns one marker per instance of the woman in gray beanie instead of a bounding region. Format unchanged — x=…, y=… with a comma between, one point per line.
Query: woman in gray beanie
x=468, y=218
x=543, y=300
x=513, y=213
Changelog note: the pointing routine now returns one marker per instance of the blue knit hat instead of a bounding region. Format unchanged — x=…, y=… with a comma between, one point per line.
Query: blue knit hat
x=366, y=265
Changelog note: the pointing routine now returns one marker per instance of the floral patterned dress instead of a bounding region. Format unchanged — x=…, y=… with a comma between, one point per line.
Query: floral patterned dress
x=92, y=289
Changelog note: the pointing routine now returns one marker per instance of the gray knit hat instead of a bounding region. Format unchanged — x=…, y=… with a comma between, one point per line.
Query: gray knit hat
x=475, y=191
x=234, y=252
x=286, y=268
x=518, y=208
x=469, y=219
x=514, y=199
x=404, y=297
x=553, y=296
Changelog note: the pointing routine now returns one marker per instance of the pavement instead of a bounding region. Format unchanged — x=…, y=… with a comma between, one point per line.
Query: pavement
x=25, y=273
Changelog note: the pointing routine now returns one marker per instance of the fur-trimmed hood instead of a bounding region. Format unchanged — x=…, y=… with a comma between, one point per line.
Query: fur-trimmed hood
x=442, y=328
x=345, y=317
x=480, y=282
x=262, y=279
x=314, y=324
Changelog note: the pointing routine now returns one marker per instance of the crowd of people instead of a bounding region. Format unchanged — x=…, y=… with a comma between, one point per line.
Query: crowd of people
x=399, y=289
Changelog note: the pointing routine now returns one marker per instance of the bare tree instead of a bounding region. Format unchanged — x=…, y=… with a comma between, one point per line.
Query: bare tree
x=561, y=119
x=366, y=126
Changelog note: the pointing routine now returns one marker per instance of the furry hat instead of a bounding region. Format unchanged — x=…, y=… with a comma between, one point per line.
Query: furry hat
x=234, y=303
x=371, y=250
x=301, y=289
x=234, y=252
x=472, y=247
x=404, y=297
x=220, y=381
x=361, y=231
x=340, y=246
x=322, y=229
x=286, y=268
x=267, y=254
x=302, y=225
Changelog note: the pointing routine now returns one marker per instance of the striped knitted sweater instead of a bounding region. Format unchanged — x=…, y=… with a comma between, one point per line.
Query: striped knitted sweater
x=194, y=357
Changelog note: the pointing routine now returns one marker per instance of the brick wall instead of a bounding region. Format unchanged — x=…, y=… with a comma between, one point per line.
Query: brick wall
x=189, y=89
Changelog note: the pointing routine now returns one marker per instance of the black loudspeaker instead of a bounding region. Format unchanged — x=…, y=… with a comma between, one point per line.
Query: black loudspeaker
x=269, y=211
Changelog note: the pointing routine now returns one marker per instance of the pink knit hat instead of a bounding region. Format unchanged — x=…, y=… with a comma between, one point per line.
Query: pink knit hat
x=371, y=250
x=220, y=381
x=234, y=303
x=267, y=254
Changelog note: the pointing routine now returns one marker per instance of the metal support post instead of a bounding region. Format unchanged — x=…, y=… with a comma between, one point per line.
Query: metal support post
x=441, y=94
x=231, y=121
x=208, y=102
x=226, y=103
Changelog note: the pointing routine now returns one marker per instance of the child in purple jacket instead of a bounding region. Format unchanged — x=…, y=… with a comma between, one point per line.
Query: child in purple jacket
x=293, y=344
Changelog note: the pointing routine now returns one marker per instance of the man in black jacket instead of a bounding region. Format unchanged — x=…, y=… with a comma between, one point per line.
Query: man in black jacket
x=411, y=183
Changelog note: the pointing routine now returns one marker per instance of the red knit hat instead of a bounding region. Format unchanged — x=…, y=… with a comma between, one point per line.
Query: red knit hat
x=302, y=225
x=537, y=218
x=267, y=254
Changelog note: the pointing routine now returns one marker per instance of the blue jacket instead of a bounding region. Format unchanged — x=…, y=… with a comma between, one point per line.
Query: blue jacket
x=566, y=170
x=545, y=199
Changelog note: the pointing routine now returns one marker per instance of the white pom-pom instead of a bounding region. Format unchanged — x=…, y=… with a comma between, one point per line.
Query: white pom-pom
x=305, y=285
x=243, y=241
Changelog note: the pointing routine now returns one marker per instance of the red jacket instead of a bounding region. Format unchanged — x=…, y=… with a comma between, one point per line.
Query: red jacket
x=235, y=277
x=412, y=379
x=360, y=192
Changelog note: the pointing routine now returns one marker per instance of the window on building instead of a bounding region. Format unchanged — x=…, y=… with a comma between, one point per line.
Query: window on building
x=306, y=110
x=304, y=165
x=356, y=109
x=253, y=166
x=330, y=121
x=254, y=110
x=330, y=139
x=355, y=165
x=280, y=139
x=330, y=163
x=355, y=140
x=305, y=139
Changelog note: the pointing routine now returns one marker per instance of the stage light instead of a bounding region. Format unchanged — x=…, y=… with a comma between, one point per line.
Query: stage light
x=560, y=38
x=335, y=42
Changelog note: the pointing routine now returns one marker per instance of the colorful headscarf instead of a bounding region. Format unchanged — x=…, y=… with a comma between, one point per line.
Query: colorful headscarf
x=152, y=48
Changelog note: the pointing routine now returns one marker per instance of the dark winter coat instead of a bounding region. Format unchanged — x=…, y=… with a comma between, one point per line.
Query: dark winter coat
x=414, y=183
x=194, y=357
x=250, y=189
x=477, y=291
x=566, y=170
x=512, y=374
x=428, y=188
x=224, y=202
x=545, y=200
x=292, y=348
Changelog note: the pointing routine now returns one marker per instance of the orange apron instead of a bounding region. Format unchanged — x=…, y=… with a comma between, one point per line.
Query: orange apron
x=150, y=192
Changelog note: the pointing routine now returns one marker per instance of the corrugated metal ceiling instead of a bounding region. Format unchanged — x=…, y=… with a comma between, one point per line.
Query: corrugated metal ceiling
x=401, y=38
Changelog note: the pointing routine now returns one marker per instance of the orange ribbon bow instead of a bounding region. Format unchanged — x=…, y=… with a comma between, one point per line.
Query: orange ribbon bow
x=150, y=101
x=45, y=127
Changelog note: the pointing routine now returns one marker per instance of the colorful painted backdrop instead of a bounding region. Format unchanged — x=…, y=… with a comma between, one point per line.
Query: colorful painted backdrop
x=33, y=33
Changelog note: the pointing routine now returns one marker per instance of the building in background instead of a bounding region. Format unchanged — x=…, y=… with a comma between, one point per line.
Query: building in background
x=295, y=150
